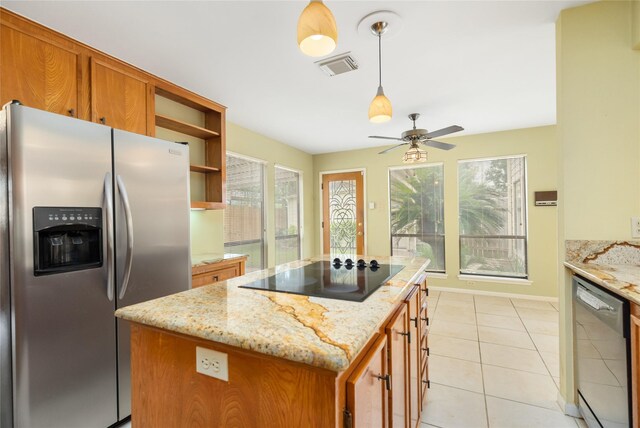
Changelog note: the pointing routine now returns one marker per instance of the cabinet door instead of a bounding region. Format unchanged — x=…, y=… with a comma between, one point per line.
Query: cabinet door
x=413, y=305
x=635, y=363
x=119, y=99
x=398, y=337
x=38, y=74
x=367, y=398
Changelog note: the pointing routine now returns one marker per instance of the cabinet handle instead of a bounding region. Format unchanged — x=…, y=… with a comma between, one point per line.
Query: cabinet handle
x=71, y=112
x=415, y=321
x=427, y=382
x=103, y=120
x=407, y=334
x=387, y=380
x=426, y=319
x=426, y=291
x=426, y=350
x=215, y=278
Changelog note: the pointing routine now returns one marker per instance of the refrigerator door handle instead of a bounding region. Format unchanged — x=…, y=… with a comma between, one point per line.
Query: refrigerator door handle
x=108, y=198
x=129, y=221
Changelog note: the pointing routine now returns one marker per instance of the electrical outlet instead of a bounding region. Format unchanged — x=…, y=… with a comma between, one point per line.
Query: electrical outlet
x=212, y=363
x=635, y=227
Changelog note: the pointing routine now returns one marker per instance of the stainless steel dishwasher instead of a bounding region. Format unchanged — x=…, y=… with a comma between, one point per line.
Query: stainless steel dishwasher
x=602, y=355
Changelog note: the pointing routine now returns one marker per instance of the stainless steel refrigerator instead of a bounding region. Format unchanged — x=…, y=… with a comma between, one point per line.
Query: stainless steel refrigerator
x=91, y=219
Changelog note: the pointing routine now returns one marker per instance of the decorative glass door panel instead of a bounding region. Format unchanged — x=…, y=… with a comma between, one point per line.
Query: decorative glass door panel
x=343, y=214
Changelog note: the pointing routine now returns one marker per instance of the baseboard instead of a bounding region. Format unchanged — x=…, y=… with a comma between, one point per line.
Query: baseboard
x=494, y=293
x=570, y=409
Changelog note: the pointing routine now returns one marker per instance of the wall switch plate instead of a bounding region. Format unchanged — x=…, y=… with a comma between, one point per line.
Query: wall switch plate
x=212, y=363
x=372, y=205
x=635, y=227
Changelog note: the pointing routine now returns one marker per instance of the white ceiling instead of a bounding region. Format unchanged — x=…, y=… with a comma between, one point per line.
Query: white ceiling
x=484, y=65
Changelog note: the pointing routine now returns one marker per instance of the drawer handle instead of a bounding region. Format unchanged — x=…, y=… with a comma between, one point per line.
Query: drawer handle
x=387, y=380
x=426, y=350
x=407, y=334
x=415, y=321
x=427, y=382
x=425, y=319
x=103, y=120
x=215, y=278
x=71, y=112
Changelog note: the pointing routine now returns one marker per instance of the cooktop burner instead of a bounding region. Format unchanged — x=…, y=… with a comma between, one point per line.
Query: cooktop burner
x=331, y=280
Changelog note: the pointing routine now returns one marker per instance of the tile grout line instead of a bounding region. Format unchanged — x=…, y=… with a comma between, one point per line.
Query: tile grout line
x=484, y=392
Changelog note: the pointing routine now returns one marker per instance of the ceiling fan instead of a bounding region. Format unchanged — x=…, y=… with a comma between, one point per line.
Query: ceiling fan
x=415, y=136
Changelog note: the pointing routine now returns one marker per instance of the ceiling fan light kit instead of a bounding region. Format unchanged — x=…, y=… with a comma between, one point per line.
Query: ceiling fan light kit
x=317, y=30
x=415, y=155
x=380, y=108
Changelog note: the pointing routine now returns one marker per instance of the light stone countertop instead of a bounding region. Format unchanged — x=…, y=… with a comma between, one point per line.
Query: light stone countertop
x=326, y=333
x=624, y=280
x=615, y=265
x=210, y=258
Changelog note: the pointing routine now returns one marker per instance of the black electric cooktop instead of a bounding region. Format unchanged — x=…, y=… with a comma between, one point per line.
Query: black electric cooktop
x=329, y=280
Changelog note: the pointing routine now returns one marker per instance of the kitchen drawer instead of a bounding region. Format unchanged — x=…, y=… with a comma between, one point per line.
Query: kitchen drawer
x=216, y=272
x=214, y=276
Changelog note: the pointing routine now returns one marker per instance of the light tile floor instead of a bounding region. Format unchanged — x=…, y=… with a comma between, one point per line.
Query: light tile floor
x=493, y=363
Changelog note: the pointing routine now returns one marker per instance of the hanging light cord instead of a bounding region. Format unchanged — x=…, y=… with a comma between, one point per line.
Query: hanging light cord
x=380, y=58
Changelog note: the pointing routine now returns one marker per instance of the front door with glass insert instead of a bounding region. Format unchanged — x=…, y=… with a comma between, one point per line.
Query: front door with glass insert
x=343, y=214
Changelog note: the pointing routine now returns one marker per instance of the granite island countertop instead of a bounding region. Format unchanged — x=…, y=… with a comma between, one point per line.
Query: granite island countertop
x=322, y=332
x=615, y=265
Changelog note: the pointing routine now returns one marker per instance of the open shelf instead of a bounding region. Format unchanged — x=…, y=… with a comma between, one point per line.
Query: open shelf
x=203, y=168
x=207, y=205
x=184, y=127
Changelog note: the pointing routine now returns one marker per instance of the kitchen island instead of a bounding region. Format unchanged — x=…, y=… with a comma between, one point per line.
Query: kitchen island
x=292, y=359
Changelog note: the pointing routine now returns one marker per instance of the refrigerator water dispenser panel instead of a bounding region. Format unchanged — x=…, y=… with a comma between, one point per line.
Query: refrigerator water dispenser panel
x=66, y=239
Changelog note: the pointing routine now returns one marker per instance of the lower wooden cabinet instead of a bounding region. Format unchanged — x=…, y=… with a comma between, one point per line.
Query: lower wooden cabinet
x=635, y=363
x=398, y=362
x=216, y=272
x=367, y=389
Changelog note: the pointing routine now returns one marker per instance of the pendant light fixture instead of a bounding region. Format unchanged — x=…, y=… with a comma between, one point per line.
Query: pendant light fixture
x=317, y=30
x=380, y=108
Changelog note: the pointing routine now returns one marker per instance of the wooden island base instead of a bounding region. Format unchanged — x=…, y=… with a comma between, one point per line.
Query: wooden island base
x=266, y=391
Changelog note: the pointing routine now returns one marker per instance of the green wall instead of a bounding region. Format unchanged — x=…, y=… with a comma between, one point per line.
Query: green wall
x=598, y=99
x=536, y=143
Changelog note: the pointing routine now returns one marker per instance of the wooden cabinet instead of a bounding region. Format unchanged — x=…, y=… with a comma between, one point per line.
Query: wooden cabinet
x=398, y=337
x=50, y=71
x=413, y=306
x=120, y=99
x=367, y=389
x=38, y=73
x=635, y=363
x=215, y=272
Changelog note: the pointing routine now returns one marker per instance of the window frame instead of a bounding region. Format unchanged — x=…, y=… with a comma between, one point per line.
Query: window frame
x=444, y=236
x=300, y=208
x=524, y=182
x=263, y=218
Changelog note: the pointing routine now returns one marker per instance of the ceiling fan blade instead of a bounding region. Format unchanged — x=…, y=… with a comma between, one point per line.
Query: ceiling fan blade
x=391, y=148
x=444, y=131
x=385, y=138
x=438, y=144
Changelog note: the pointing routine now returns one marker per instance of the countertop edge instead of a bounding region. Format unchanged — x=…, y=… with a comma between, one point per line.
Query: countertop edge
x=617, y=290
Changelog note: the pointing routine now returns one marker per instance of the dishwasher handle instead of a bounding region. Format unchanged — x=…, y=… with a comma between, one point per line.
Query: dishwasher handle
x=589, y=299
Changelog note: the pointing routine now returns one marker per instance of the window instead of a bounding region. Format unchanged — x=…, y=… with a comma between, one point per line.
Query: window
x=244, y=214
x=493, y=212
x=287, y=215
x=417, y=212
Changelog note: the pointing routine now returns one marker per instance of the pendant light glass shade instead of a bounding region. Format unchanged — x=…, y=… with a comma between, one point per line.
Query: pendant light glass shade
x=317, y=30
x=415, y=155
x=380, y=108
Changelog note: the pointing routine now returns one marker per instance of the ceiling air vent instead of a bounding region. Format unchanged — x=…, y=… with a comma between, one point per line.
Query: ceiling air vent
x=338, y=64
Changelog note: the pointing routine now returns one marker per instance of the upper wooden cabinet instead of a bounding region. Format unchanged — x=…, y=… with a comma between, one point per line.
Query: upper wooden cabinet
x=47, y=70
x=120, y=99
x=39, y=74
